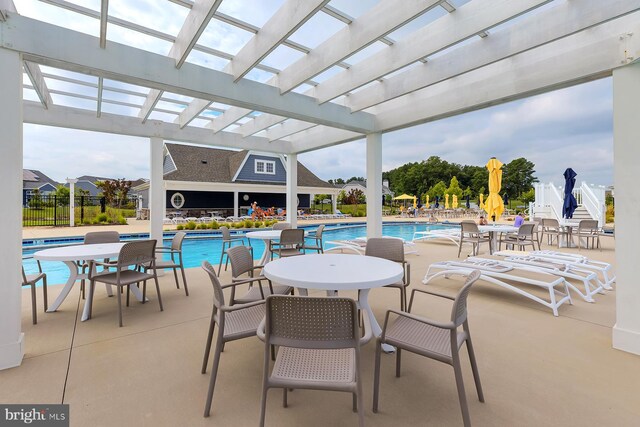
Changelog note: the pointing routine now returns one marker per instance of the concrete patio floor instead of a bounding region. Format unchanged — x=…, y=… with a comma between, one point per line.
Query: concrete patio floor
x=536, y=369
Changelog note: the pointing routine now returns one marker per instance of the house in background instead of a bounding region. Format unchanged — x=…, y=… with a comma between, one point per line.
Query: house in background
x=35, y=180
x=88, y=183
x=205, y=180
x=362, y=186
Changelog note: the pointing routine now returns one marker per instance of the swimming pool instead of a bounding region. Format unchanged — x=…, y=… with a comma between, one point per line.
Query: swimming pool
x=208, y=247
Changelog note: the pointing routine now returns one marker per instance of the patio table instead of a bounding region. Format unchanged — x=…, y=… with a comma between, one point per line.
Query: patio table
x=337, y=272
x=493, y=230
x=70, y=255
x=267, y=236
x=567, y=239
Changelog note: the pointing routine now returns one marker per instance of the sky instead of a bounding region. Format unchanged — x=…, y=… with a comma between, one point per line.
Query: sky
x=566, y=128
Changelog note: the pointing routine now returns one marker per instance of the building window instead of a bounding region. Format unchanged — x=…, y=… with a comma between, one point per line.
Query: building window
x=177, y=200
x=265, y=167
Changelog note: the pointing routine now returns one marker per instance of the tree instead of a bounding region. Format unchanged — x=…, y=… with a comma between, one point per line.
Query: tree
x=517, y=177
x=437, y=190
x=454, y=188
x=115, y=191
x=355, y=196
x=62, y=195
x=337, y=181
x=355, y=178
x=342, y=195
x=528, y=196
x=35, y=201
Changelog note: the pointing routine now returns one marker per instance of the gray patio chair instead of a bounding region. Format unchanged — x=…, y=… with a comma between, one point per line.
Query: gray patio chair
x=227, y=242
x=242, y=263
x=319, y=347
x=589, y=230
x=281, y=226
x=175, y=250
x=136, y=254
x=433, y=339
x=290, y=243
x=470, y=233
x=317, y=245
x=393, y=250
x=31, y=280
x=94, y=238
x=234, y=322
x=524, y=237
x=551, y=227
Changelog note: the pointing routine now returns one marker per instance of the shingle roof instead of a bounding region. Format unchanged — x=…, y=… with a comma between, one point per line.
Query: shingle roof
x=32, y=179
x=204, y=164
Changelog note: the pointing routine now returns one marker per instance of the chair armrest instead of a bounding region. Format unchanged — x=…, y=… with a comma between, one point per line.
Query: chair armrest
x=245, y=281
x=435, y=323
x=368, y=333
x=102, y=263
x=260, y=332
x=165, y=250
x=434, y=294
x=230, y=308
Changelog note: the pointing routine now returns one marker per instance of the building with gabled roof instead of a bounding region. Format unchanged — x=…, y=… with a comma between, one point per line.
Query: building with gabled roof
x=33, y=180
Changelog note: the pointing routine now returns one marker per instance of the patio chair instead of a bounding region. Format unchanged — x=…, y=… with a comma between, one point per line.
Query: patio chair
x=94, y=238
x=317, y=236
x=551, y=227
x=524, y=237
x=31, y=280
x=175, y=250
x=433, y=339
x=290, y=244
x=281, y=226
x=241, y=258
x=234, y=322
x=136, y=254
x=469, y=232
x=227, y=242
x=319, y=347
x=393, y=250
x=589, y=230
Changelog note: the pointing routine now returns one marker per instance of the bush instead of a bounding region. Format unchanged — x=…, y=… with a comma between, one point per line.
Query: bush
x=87, y=221
x=102, y=217
x=190, y=225
x=610, y=214
x=214, y=225
x=202, y=226
x=238, y=224
x=180, y=227
x=122, y=220
x=248, y=223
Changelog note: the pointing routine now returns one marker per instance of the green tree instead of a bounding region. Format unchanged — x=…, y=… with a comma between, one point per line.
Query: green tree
x=517, y=177
x=528, y=196
x=454, y=188
x=437, y=190
x=115, y=191
x=62, y=195
x=35, y=201
x=337, y=181
x=479, y=180
x=342, y=195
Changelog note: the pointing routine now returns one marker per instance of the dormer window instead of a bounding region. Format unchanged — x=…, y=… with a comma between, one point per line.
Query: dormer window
x=267, y=167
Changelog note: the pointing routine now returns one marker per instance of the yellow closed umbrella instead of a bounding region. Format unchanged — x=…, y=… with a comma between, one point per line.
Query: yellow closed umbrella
x=426, y=201
x=454, y=204
x=481, y=201
x=414, y=202
x=494, y=205
x=446, y=201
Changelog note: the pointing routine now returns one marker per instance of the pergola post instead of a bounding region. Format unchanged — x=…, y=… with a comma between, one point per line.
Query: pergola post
x=11, y=336
x=236, y=204
x=626, y=151
x=156, y=189
x=72, y=201
x=374, y=185
x=292, y=190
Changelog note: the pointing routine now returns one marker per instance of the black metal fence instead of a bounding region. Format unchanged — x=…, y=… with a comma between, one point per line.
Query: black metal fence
x=53, y=210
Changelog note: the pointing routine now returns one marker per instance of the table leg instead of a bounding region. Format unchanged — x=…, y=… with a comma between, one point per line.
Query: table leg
x=73, y=276
x=376, y=330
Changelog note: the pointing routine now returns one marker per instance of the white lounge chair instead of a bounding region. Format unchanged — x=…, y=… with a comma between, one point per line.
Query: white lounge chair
x=450, y=234
x=359, y=244
x=506, y=276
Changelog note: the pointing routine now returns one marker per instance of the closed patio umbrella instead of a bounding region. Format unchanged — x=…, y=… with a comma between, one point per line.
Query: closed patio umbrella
x=481, y=204
x=570, y=203
x=505, y=199
x=494, y=206
x=454, y=204
x=426, y=201
x=468, y=203
x=446, y=201
x=437, y=205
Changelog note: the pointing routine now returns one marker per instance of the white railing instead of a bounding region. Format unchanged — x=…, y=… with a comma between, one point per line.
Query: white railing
x=593, y=200
x=550, y=199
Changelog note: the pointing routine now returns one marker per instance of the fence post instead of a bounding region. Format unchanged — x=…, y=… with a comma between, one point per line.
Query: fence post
x=55, y=210
x=72, y=201
x=81, y=209
x=103, y=207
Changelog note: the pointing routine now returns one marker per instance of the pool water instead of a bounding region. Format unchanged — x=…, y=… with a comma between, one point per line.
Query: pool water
x=197, y=250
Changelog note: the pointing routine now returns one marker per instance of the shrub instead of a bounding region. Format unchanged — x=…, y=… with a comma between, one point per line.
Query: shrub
x=238, y=224
x=180, y=227
x=87, y=221
x=610, y=214
x=214, y=225
x=248, y=223
x=201, y=226
x=190, y=225
x=102, y=217
x=122, y=220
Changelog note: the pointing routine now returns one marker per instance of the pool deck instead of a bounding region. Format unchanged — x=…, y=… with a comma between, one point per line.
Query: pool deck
x=536, y=369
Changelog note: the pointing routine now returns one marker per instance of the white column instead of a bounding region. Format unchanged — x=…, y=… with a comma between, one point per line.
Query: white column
x=374, y=185
x=11, y=336
x=236, y=204
x=72, y=201
x=292, y=190
x=626, y=151
x=334, y=202
x=156, y=189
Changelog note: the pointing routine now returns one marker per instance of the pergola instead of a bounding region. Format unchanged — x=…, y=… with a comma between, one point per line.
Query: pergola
x=394, y=65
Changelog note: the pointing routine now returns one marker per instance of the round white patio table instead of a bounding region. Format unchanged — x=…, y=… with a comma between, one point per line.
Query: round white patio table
x=493, y=230
x=267, y=236
x=567, y=239
x=69, y=255
x=341, y=272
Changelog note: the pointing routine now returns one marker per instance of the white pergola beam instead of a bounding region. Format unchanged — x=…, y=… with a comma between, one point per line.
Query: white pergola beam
x=225, y=120
x=379, y=21
x=75, y=51
x=39, y=83
x=76, y=118
x=284, y=22
x=567, y=18
x=287, y=128
x=99, y=100
x=104, y=15
x=582, y=57
x=465, y=22
x=260, y=123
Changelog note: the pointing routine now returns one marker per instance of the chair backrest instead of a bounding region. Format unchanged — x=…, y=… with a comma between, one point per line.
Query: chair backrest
x=385, y=247
x=550, y=222
x=101, y=237
x=176, y=242
x=292, y=236
x=588, y=224
x=319, y=231
x=468, y=226
x=311, y=322
x=138, y=252
x=240, y=259
x=218, y=295
x=226, y=234
x=526, y=229
x=459, y=309
x=281, y=226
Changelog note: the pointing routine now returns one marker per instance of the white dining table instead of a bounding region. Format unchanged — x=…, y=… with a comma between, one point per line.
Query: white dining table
x=267, y=236
x=493, y=229
x=567, y=239
x=337, y=272
x=70, y=255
